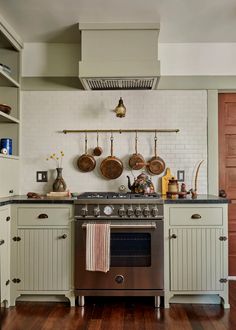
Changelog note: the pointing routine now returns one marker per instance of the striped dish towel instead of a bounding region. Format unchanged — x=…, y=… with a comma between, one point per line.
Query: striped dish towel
x=98, y=247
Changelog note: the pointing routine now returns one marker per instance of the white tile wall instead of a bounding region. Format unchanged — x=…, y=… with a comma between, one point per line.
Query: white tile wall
x=45, y=114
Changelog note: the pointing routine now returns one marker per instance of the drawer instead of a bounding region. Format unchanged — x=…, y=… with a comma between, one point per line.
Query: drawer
x=39, y=216
x=196, y=216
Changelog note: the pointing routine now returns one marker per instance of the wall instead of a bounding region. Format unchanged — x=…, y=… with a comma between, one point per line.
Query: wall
x=176, y=59
x=46, y=114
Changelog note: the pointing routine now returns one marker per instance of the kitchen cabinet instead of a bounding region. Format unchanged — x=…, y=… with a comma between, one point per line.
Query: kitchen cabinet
x=10, y=54
x=42, y=250
x=196, y=252
x=4, y=256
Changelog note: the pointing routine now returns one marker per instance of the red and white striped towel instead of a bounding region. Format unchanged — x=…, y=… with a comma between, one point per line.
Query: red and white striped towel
x=98, y=247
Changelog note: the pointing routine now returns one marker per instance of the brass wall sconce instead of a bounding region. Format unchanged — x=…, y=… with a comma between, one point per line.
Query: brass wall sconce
x=120, y=110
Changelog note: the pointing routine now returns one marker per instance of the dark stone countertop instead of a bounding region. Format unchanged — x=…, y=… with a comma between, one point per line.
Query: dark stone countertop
x=200, y=199
x=22, y=199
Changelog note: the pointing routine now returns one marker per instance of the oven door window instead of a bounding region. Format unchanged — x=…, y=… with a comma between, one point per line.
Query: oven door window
x=130, y=249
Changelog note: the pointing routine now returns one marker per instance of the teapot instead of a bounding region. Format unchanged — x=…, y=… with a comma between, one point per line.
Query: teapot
x=142, y=185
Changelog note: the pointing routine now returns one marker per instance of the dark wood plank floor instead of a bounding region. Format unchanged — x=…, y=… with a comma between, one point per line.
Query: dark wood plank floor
x=119, y=314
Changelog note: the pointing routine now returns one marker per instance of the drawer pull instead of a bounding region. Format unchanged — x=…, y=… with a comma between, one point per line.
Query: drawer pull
x=42, y=216
x=173, y=236
x=8, y=218
x=2, y=241
x=64, y=236
x=196, y=216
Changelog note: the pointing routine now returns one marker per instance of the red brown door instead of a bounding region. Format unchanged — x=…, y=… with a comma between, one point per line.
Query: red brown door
x=227, y=166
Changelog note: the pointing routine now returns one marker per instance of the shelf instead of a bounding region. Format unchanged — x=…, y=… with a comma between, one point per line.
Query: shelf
x=4, y=118
x=9, y=156
x=7, y=80
x=153, y=130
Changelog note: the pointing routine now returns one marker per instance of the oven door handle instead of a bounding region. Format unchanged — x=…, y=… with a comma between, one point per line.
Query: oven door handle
x=129, y=226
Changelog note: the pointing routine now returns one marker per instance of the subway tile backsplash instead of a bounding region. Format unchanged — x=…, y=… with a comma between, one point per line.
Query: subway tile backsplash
x=46, y=114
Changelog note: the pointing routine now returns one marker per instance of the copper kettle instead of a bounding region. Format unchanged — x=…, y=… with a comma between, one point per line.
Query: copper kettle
x=141, y=185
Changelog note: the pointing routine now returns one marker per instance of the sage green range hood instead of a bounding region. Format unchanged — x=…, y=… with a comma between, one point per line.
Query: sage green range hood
x=119, y=56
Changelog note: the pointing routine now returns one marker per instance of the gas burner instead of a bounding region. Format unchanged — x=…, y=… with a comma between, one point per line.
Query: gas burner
x=92, y=195
x=114, y=195
x=145, y=196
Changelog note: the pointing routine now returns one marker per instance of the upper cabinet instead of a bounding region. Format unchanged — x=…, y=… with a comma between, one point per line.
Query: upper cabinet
x=10, y=78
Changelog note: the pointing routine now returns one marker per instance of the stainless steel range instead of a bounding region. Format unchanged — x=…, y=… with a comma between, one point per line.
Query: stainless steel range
x=136, y=247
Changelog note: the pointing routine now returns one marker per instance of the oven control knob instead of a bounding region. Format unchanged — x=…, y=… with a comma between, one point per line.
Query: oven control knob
x=130, y=212
x=96, y=211
x=146, y=211
x=84, y=211
x=119, y=279
x=121, y=212
x=108, y=210
x=138, y=211
x=155, y=211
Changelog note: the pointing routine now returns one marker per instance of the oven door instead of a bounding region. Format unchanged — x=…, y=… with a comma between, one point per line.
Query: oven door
x=136, y=260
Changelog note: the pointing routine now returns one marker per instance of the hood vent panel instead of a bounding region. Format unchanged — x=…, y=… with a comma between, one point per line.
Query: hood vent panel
x=119, y=56
x=119, y=83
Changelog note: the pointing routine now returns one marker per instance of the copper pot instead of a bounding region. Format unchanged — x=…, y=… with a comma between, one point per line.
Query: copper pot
x=97, y=151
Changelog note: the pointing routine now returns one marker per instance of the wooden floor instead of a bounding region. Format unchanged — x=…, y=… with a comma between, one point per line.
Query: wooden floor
x=119, y=313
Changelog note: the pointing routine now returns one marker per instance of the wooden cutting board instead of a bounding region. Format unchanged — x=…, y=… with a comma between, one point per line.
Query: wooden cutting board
x=165, y=180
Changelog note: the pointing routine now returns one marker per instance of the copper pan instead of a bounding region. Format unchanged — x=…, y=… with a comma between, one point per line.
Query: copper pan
x=156, y=164
x=111, y=167
x=136, y=161
x=86, y=162
x=97, y=151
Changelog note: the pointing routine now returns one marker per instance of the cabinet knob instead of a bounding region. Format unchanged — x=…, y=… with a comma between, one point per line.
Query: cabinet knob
x=196, y=216
x=8, y=218
x=64, y=236
x=222, y=193
x=173, y=236
x=7, y=282
x=2, y=241
x=11, y=191
x=42, y=216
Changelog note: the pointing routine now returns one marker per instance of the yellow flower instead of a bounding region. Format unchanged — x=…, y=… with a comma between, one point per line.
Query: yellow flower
x=57, y=158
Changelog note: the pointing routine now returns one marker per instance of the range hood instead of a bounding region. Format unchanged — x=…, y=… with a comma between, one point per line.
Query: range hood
x=119, y=56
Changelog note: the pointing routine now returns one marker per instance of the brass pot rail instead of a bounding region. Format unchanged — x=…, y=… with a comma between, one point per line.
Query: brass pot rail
x=145, y=130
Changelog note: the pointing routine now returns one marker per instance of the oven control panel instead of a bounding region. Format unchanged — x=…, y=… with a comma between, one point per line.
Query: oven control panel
x=128, y=211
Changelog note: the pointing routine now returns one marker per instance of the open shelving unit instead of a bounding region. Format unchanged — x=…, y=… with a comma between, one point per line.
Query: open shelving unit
x=10, y=55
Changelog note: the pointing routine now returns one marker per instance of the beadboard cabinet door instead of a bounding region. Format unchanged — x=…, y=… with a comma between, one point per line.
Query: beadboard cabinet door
x=4, y=256
x=196, y=253
x=196, y=259
x=43, y=261
x=41, y=252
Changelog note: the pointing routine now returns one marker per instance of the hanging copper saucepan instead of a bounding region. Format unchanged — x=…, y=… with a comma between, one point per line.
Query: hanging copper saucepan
x=86, y=162
x=156, y=164
x=111, y=167
x=136, y=161
x=97, y=151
